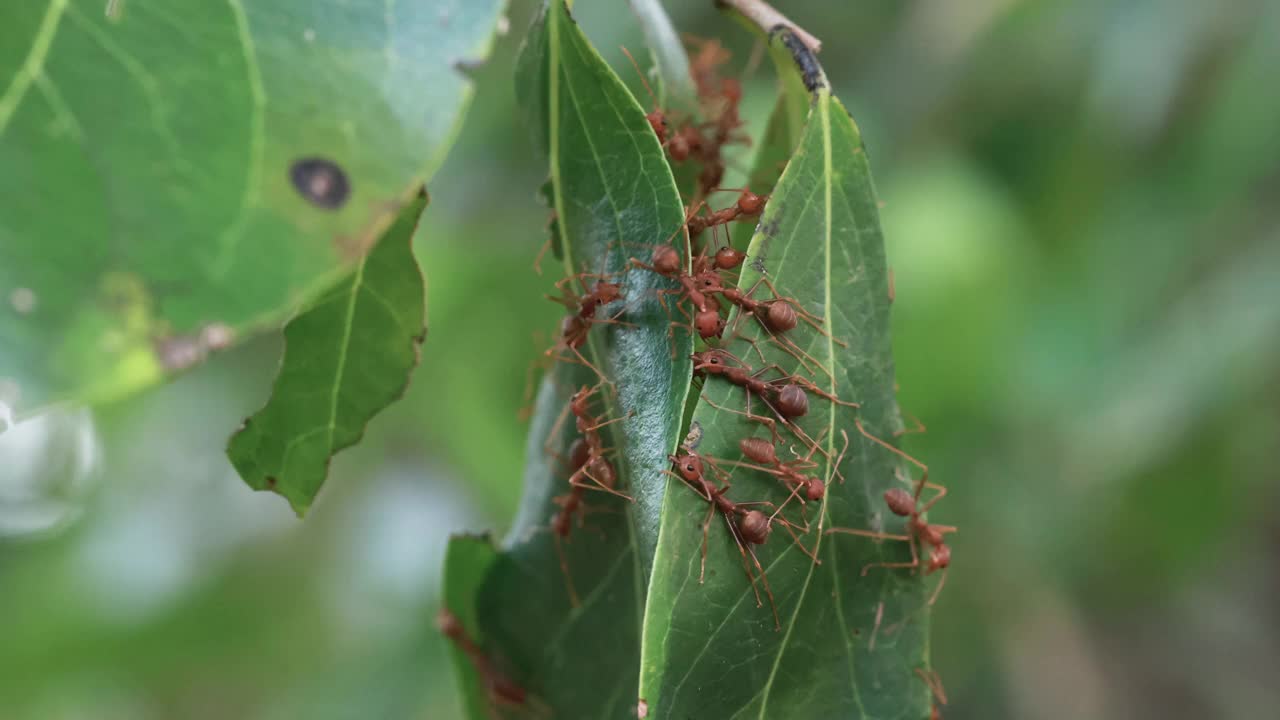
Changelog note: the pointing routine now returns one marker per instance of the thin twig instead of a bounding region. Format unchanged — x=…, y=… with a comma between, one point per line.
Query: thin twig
x=766, y=17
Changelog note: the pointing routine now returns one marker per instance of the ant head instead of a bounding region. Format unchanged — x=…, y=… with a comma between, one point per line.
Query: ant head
x=709, y=324
x=667, y=260
x=728, y=258
x=689, y=466
x=755, y=527
x=939, y=558
x=750, y=203
x=708, y=360
x=792, y=401
x=900, y=501
x=780, y=316
x=817, y=489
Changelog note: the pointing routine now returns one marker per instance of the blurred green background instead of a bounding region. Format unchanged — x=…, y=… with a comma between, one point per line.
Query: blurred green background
x=1082, y=204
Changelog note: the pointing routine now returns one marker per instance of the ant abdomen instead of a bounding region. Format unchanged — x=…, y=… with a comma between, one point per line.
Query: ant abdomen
x=779, y=316
x=759, y=450
x=817, y=489
x=900, y=501
x=792, y=401
x=666, y=260
x=755, y=527
x=728, y=258
x=709, y=324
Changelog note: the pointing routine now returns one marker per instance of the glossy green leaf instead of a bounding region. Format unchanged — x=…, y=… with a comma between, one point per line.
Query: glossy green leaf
x=347, y=356
x=177, y=174
x=848, y=645
x=614, y=199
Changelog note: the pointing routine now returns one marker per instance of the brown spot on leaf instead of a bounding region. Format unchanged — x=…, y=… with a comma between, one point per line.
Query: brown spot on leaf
x=271, y=482
x=321, y=182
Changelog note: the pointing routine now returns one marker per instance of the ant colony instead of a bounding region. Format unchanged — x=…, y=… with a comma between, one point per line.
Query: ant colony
x=700, y=293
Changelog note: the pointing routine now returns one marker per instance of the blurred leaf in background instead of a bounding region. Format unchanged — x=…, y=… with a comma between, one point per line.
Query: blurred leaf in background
x=1082, y=210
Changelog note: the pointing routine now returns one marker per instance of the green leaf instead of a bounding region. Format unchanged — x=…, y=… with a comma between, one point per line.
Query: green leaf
x=347, y=356
x=179, y=174
x=614, y=198
x=467, y=561
x=709, y=651
x=675, y=84
x=771, y=156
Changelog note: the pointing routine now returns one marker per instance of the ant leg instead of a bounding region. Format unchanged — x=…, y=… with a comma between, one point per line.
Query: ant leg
x=606, y=423
x=923, y=479
x=767, y=422
x=548, y=446
x=942, y=492
x=935, y=685
x=546, y=245
x=917, y=427
x=576, y=481
x=564, y=569
x=915, y=559
x=867, y=533
x=942, y=580
x=764, y=580
x=706, y=534
x=581, y=359
x=871, y=647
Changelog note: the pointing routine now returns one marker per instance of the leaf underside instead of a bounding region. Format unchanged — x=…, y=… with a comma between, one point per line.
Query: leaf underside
x=614, y=199
x=179, y=174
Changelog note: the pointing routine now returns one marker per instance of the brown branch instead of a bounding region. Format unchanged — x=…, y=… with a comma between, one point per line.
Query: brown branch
x=766, y=17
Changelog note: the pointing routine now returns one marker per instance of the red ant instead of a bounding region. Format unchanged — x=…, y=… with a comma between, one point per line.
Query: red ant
x=657, y=119
x=748, y=204
x=765, y=454
x=499, y=689
x=587, y=461
x=747, y=527
x=588, y=455
x=702, y=66
x=784, y=396
x=721, y=98
x=907, y=505
x=583, y=308
x=776, y=316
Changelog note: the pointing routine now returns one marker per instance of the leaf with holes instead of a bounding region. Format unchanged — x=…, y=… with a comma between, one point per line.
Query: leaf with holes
x=179, y=174
x=844, y=644
x=347, y=357
x=614, y=199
